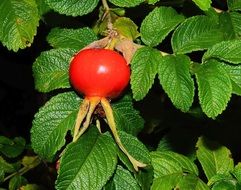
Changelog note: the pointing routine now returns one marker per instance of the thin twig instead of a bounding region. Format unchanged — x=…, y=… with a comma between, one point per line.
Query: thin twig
x=105, y=5
x=107, y=14
x=24, y=169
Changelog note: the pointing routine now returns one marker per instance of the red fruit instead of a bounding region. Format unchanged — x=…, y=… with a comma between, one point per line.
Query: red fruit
x=99, y=73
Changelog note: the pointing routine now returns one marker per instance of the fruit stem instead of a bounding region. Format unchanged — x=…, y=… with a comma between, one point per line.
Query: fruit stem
x=111, y=44
x=83, y=110
x=94, y=101
x=107, y=14
x=111, y=121
x=105, y=5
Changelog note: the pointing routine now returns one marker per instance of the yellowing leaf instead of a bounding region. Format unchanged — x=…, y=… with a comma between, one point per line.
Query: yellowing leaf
x=18, y=23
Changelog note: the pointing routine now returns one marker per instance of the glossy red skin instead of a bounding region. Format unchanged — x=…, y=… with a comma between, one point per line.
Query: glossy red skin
x=99, y=73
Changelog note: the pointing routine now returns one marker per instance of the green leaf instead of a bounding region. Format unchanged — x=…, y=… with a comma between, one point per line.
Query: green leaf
x=1, y=176
x=145, y=178
x=219, y=177
x=73, y=7
x=226, y=26
x=176, y=80
x=123, y=180
x=166, y=182
x=167, y=162
x=214, y=88
x=5, y=141
x=50, y=70
x=213, y=14
x=196, y=33
x=87, y=163
x=227, y=185
x=237, y=172
x=230, y=23
x=16, y=182
x=109, y=185
x=126, y=117
x=5, y=166
x=71, y=38
x=234, y=5
x=125, y=160
x=214, y=158
x=52, y=122
x=179, y=181
x=126, y=3
x=144, y=69
x=228, y=51
x=43, y=8
x=18, y=23
x=32, y=187
x=192, y=182
x=135, y=147
x=158, y=24
x=236, y=22
x=234, y=72
x=118, y=11
x=203, y=4
x=126, y=27
x=152, y=2
x=164, y=145
x=12, y=148
x=30, y=161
